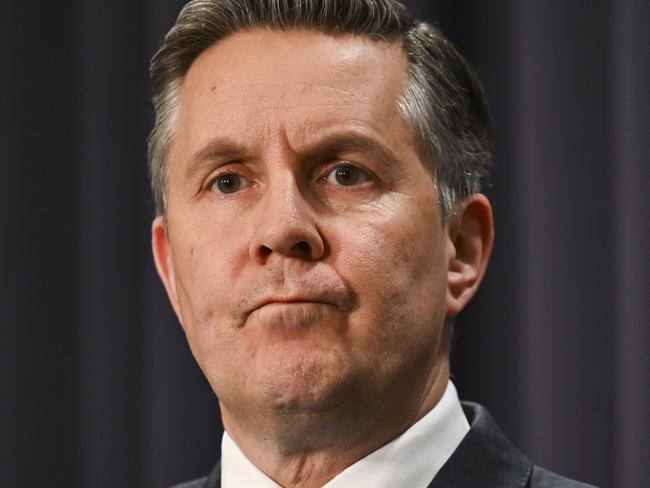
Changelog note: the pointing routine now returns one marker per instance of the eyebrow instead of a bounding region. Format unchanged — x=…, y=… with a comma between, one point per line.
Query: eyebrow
x=226, y=148
x=216, y=148
x=353, y=141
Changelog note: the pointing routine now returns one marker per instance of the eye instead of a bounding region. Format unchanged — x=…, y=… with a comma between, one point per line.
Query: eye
x=228, y=183
x=348, y=175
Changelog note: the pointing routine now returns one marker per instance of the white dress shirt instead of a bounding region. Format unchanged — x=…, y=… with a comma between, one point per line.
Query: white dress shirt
x=412, y=459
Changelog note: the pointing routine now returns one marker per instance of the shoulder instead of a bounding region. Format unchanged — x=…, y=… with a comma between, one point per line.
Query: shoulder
x=486, y=458
x=542, y=478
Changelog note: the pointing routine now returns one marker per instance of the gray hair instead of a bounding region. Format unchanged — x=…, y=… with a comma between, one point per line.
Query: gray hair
x=443, y=101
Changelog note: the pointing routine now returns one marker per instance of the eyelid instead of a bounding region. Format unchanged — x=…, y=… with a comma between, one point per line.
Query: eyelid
x=365, y=174
x=331, y=168
x=212, y=180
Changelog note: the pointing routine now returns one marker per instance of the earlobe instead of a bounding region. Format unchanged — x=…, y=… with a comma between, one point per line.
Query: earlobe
x=162, y=255
x=471, y=234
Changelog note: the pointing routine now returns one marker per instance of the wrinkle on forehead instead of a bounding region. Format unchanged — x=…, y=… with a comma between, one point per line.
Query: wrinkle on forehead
x=233, y=93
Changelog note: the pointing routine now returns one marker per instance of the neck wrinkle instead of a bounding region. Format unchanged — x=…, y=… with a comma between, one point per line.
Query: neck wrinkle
x=307, y=467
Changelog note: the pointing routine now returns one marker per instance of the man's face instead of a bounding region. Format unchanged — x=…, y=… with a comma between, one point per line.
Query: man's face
x=304, y=252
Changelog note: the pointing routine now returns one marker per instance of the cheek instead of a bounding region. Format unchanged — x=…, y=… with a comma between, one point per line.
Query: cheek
x=402, y=251
x=206, y=265
x=204, y=298
x=396, y=268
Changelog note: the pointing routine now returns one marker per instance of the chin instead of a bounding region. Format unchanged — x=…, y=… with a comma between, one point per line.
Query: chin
x=303, y=378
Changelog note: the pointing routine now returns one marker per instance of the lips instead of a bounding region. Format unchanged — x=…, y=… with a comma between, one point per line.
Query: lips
x=336, y=297
x=322, y=300
x=292, y=283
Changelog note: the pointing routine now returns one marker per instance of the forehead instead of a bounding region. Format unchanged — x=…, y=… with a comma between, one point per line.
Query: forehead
x=302, y=59
x=296, y=82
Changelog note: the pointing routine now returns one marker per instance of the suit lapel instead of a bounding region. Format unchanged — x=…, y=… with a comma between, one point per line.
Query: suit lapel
x=485, y=458
x=214, y=478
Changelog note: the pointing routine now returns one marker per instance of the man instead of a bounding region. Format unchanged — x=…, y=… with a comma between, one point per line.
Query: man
x=317, y=167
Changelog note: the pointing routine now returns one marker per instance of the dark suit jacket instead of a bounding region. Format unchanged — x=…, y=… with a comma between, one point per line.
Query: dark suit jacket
x=484, y=459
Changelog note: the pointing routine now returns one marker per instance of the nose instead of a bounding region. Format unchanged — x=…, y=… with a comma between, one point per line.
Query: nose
x=286, y=226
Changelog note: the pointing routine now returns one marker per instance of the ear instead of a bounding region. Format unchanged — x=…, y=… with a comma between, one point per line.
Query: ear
x=162, y=255
x=471, y=234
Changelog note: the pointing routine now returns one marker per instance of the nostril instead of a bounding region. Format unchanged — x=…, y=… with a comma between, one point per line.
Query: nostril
x=265, y=251
x=304, y=248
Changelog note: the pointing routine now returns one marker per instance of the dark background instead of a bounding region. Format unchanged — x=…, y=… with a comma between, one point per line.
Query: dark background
x=98, y=388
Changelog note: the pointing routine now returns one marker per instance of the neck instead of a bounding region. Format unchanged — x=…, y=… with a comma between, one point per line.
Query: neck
x=306, y=449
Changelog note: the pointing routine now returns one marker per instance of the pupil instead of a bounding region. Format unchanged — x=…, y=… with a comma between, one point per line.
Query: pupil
x=228, y=183
x=346, y=175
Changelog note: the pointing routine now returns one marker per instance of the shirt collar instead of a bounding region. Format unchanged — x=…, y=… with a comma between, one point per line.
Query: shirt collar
x=412, y=459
